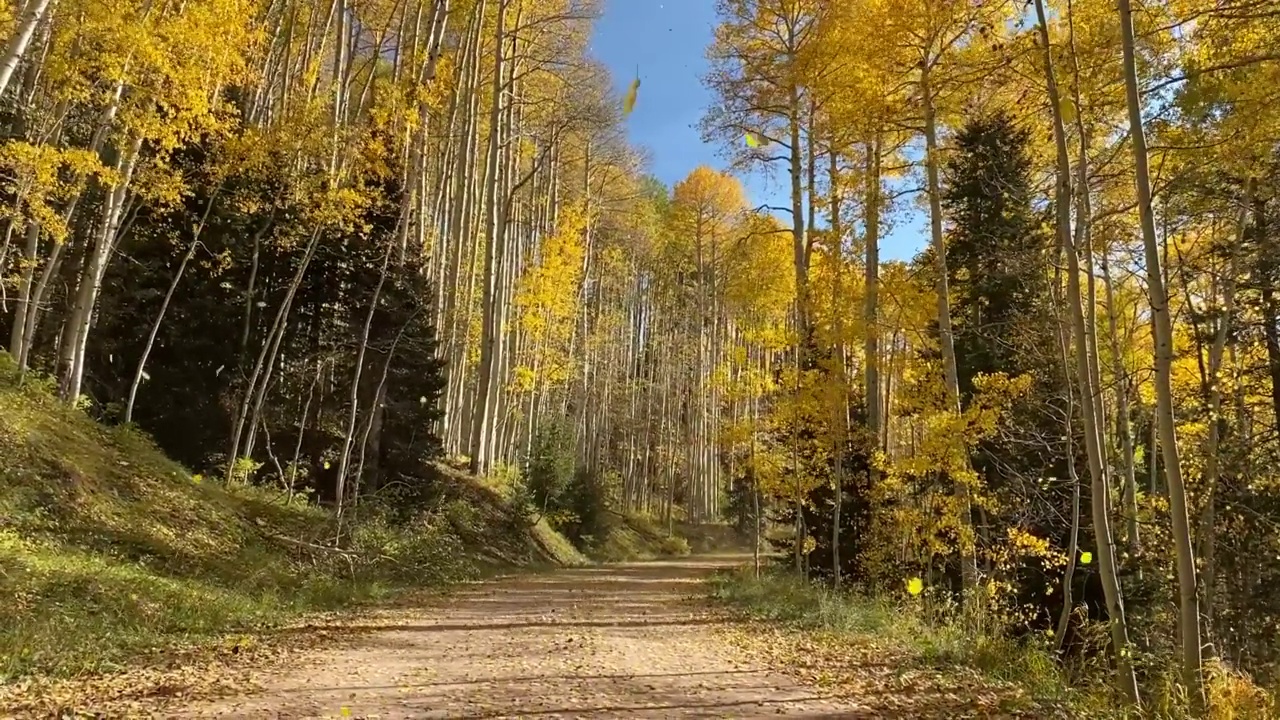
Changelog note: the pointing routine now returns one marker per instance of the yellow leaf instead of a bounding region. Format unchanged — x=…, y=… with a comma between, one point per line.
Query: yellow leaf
x=345, y=711
x=629, y=101
x=915, y=586
x=1086, y=557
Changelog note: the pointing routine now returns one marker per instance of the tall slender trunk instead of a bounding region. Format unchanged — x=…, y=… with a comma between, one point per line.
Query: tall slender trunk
x=755, y=484
x=1126, y=680
x=51, y=267
x=1124, y=427
x=17, y=333
x=1208, y=516
x=72, y=354
x=353, y=399
x=255, y=386
x=800, y=252
x=840, y=419
x=484, y=411
x=458, y=304
x=140, y=372
x=871, y=299
x=1073, y=475
x=946, y=338
x=18, y=41
x=1162, y=330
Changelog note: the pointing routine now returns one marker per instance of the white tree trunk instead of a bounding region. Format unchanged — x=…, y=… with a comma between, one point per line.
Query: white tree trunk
x=946, y=338
x=81, y=314
x=1126, y=681
x=484, y=411
x=1162, y=330
x=20, y=39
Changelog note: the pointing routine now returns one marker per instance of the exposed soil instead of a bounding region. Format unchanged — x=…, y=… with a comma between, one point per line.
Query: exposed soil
x=619, y=641
x=635, y=640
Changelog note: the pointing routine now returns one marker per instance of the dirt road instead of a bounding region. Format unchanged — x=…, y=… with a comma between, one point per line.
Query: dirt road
x=618, y=641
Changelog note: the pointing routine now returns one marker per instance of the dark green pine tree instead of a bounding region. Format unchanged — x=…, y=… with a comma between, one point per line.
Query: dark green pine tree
x=999, y=250
x=997, y=254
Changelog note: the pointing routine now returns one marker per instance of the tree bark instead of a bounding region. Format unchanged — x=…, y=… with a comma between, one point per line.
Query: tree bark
x=81, y=315
x=946, y=338
x=1126, y=680
x=164, y=308
x=18, y=41
x=482, y=424
x=1162, y=329
x=1212, y=464
x=871, y=300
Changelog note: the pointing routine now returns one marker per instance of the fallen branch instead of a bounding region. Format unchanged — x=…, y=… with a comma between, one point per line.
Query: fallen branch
x=346, y=554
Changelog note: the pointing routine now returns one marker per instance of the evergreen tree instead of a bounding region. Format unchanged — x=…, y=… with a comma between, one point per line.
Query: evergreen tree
x=1002, y=316
x=206, y=346
x=996, y=254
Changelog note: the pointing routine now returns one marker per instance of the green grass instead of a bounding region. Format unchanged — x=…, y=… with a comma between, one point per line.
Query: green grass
x=619, y=537
x=906, y=631
x=629, y=537
x=111, y=554
x=913, y=632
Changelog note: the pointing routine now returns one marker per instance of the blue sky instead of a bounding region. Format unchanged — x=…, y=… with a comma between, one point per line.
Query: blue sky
x=667, y=40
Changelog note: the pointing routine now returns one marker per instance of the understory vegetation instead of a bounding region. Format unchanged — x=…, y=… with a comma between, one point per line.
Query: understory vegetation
x=113, y=555
x=929, y=632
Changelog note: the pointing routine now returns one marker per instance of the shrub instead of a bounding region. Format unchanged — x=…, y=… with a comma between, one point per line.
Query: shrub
x=426, y=549
x=549, y=467
x=674, y=545
x=588, y=501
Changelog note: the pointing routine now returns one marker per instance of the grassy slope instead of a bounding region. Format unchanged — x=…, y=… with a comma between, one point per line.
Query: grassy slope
x=843, y=638
x=631, y=536
x=111, y=554
x=635, y=537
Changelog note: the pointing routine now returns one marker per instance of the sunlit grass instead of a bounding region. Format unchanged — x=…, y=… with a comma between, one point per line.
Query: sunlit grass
x=941, y=641
x=76, y=612
x=899, y=626
x=110, y=553
x=632, y=536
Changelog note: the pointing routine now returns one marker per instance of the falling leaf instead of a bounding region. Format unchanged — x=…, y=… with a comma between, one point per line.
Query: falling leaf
x=1086, y=557
x=326, y=465
x=915, y=586
x=629, y=102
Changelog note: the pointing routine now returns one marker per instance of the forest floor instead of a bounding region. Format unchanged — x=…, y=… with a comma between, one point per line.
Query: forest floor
x=636, y=640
